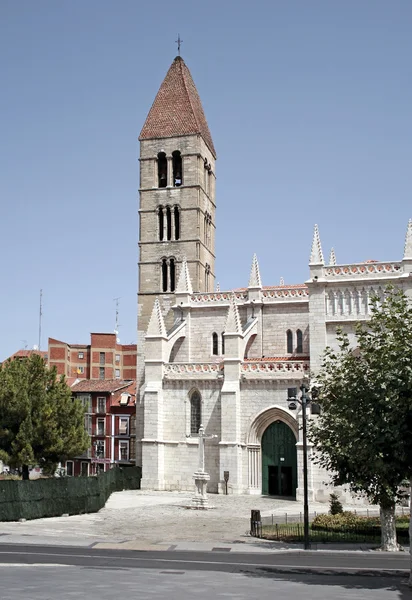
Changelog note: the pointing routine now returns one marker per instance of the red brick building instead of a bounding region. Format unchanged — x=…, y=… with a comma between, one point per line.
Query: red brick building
x=110, y=420
x=103, y=358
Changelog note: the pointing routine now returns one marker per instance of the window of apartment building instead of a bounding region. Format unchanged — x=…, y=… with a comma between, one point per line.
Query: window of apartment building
x=80, y=370
x=117, y=373
x=101, y=373
x=100, y=429
x=124, y=450
x=80, y=355
x=101, y=405
x=99, y=448
x=69, y=468
x=88, y=424
x=84, y=469
x=86, y=400
x=102, y=358
x=117, y=357
x=123, y=425
x=99, y=468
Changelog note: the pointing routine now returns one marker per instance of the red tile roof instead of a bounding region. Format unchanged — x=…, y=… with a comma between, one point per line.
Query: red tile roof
x=100, y=385
x=177, y=109
x=26, y=353
x=131, y=389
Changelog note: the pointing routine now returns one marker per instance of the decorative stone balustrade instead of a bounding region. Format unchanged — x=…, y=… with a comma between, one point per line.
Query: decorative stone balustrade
x=195, y=370
x=285, y=368
x=368, y=269
x=217, y=297
x=291, y=293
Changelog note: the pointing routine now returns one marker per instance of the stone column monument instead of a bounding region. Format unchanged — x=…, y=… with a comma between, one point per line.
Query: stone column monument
x=200, y=499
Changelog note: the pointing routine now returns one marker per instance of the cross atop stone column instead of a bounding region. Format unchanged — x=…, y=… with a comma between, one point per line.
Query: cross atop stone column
x=202, y=438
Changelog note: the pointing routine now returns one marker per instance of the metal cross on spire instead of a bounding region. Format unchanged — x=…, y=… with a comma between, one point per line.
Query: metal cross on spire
x=178, y=42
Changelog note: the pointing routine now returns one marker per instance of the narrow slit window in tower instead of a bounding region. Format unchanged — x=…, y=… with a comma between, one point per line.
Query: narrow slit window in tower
x=168, y=223
x=215, y=344
x=223, y=342
x=177, y=169
x=172, y=274
x=164, y=275
x=299, y=342
x=162, y=169
x=177, y=223
x=161, y=222
x=289, y=342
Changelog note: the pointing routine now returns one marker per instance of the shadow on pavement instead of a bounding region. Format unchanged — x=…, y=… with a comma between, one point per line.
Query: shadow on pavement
x=359, y=582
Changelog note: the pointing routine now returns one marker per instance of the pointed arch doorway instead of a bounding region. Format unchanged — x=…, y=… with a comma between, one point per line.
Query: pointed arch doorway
x=279, y=460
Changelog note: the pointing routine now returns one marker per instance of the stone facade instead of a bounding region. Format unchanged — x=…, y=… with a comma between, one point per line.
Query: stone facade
x=230, y=360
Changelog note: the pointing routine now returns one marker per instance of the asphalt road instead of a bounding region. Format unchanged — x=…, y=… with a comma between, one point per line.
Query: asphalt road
x=362, y=563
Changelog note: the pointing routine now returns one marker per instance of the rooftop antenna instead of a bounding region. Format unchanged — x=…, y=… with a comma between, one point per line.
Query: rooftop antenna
x=116, y=328
x=25, y=344
x=40, y=316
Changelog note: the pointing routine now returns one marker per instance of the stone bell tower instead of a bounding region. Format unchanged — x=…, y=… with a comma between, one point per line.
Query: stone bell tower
x=177, y=198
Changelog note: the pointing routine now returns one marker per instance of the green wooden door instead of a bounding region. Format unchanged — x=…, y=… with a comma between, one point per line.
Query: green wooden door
x=279, y=461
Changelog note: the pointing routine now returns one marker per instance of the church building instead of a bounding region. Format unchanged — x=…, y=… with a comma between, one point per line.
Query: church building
x=228, y=360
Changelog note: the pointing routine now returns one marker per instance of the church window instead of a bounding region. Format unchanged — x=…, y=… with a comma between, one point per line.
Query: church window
x=168, y=223
x=162, y=169
x=195, y=413
x=289, y=342
x=299, y=342
x=223, y=342
x=172, y=271
x=177, y=223
x=177, y=169
x=164, y=275
x=161, y=222
x=215, y=344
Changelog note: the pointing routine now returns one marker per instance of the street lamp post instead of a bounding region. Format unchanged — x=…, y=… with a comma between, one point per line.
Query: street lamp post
x=304, y=400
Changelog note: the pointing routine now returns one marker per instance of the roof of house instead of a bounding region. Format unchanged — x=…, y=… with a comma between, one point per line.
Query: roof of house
x=131, y=390
x=100, y=385
x=27, y=353
x=177, y=109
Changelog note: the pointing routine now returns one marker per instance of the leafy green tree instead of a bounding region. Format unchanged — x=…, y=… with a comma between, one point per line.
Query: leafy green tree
x=363, y=435
x=40, y=423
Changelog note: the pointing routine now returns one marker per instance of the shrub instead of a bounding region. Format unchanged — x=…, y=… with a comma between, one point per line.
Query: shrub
x=335, y=505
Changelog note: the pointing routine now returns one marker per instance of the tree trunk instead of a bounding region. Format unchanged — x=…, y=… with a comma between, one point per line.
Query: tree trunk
x=389, y=542
x=25, y=472
x=410, y=538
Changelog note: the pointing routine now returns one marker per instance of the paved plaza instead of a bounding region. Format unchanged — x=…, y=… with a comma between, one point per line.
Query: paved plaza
x=142, y=519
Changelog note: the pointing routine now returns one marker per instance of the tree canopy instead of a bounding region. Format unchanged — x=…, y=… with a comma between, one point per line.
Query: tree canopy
x=363, y=435
x=40, y=422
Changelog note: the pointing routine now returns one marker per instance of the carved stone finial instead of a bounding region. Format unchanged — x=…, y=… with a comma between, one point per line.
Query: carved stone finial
x=156, y=323
x=332, y=257
x=282, y=281
x=407, y=254
x=316, y=255
x=233, y=324
x=254, y=279
x=184, y=284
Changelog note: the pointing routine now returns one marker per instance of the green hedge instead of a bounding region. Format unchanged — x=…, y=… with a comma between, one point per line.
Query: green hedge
x=68, y=495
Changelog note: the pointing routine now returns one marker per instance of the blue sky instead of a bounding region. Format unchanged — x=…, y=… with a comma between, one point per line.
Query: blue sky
x=309, y=105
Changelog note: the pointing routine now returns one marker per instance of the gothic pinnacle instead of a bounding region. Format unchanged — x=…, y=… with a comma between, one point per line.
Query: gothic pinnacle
x=254, y=279
x=316, y=255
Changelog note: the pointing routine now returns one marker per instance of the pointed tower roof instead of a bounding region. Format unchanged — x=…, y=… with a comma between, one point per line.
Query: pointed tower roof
x=332, y=257
x=407, y=254
x=254, y=279
x=177, y=109
x=233, y=324
x=316, y=255
x=156, y=324
x=184, y=284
